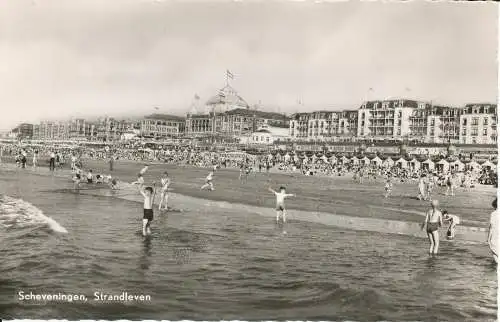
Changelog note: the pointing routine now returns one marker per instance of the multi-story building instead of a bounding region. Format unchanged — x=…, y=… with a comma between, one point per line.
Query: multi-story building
x=442, y=124
x=478, y=124
x=162, y=126
x=79, y=129
x=25, y=131
x=51, y=131
x=388, y=119
x=199, y=124
x=324, y=126
x=110, y=129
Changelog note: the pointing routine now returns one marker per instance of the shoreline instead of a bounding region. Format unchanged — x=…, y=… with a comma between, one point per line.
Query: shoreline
x=340, y=218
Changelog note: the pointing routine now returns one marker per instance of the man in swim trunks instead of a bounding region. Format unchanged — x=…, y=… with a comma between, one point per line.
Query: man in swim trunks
x=280, y=202
x=454, y=221
x=149, y=196
x=433, y=220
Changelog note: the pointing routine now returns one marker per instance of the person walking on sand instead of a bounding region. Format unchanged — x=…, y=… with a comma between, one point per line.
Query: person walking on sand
x=433, y=220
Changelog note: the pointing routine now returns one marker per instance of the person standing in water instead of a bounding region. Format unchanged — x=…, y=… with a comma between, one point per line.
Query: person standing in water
x=422, y=188
x=493, y=231
x=35, y=159
x=280, y=202
x=149, y=197
x=165, y=183
x=454, y=221
x=433, y=220
x=208, y=182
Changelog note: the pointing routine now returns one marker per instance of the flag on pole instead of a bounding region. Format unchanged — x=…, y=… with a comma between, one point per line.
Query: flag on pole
x=157, y=108
x=229, y=74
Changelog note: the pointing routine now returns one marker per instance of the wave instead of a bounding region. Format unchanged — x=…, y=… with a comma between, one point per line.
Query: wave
x=19, y=213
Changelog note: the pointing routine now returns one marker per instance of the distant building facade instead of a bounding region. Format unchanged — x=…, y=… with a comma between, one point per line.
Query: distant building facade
x=162, y=126
x=478, y=124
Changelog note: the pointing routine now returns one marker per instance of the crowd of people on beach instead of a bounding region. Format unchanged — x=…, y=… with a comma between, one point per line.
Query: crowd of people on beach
x=426, y=180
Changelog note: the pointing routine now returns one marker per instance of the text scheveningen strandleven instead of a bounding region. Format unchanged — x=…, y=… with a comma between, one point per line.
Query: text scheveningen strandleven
x=97, y=296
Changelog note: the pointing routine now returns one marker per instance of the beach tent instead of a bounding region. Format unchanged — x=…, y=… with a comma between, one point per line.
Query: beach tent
x=457, y=165
x=286, y=157
x=314, y=158
x=442, y=166
x=472, y=165
x=414, y=164
x=355, y=160
x=344, y=159
x=402, y=163
x=376, y=161
x=365, y=161
x=428, y=165
x=487, y=164
x=388, y=163
x=333, y=159
x=324, y=158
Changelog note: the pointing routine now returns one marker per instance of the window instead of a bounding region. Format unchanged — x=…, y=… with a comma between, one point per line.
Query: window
x=267, y=139
x=464, y=132
x=474, y=132
x=485, y=132
x=474, y=141
x=475, y=120
x=464, y=122
x=432, y=122
x=485, y=121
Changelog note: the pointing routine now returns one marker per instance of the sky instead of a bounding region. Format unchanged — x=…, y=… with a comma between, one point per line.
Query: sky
x=61, y=59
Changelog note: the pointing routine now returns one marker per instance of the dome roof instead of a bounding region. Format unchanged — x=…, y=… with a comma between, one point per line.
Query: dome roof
x=229, y=96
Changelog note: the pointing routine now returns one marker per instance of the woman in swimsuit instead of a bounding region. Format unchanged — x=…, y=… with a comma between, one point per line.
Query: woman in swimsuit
x=433, y=220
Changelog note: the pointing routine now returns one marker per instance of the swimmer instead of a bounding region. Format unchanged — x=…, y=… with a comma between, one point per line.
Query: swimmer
x=433, y=220
x=388, y=187
x=454, y=221
x=140, y=180
x=280, y=202
x=143, y=170
x=78, y=178
x=493, y=231
x=113, y=184
x=149, y=196
x=208, y=182
x=90, y=177
x=421, y=188
x=165, y=183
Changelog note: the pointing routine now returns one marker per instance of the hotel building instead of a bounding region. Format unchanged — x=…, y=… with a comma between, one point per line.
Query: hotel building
x=478, y=124
x=162, y=126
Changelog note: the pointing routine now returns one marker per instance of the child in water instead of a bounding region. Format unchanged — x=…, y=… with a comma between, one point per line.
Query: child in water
x=454, y=221
x=149, y=196
x=280, y=202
